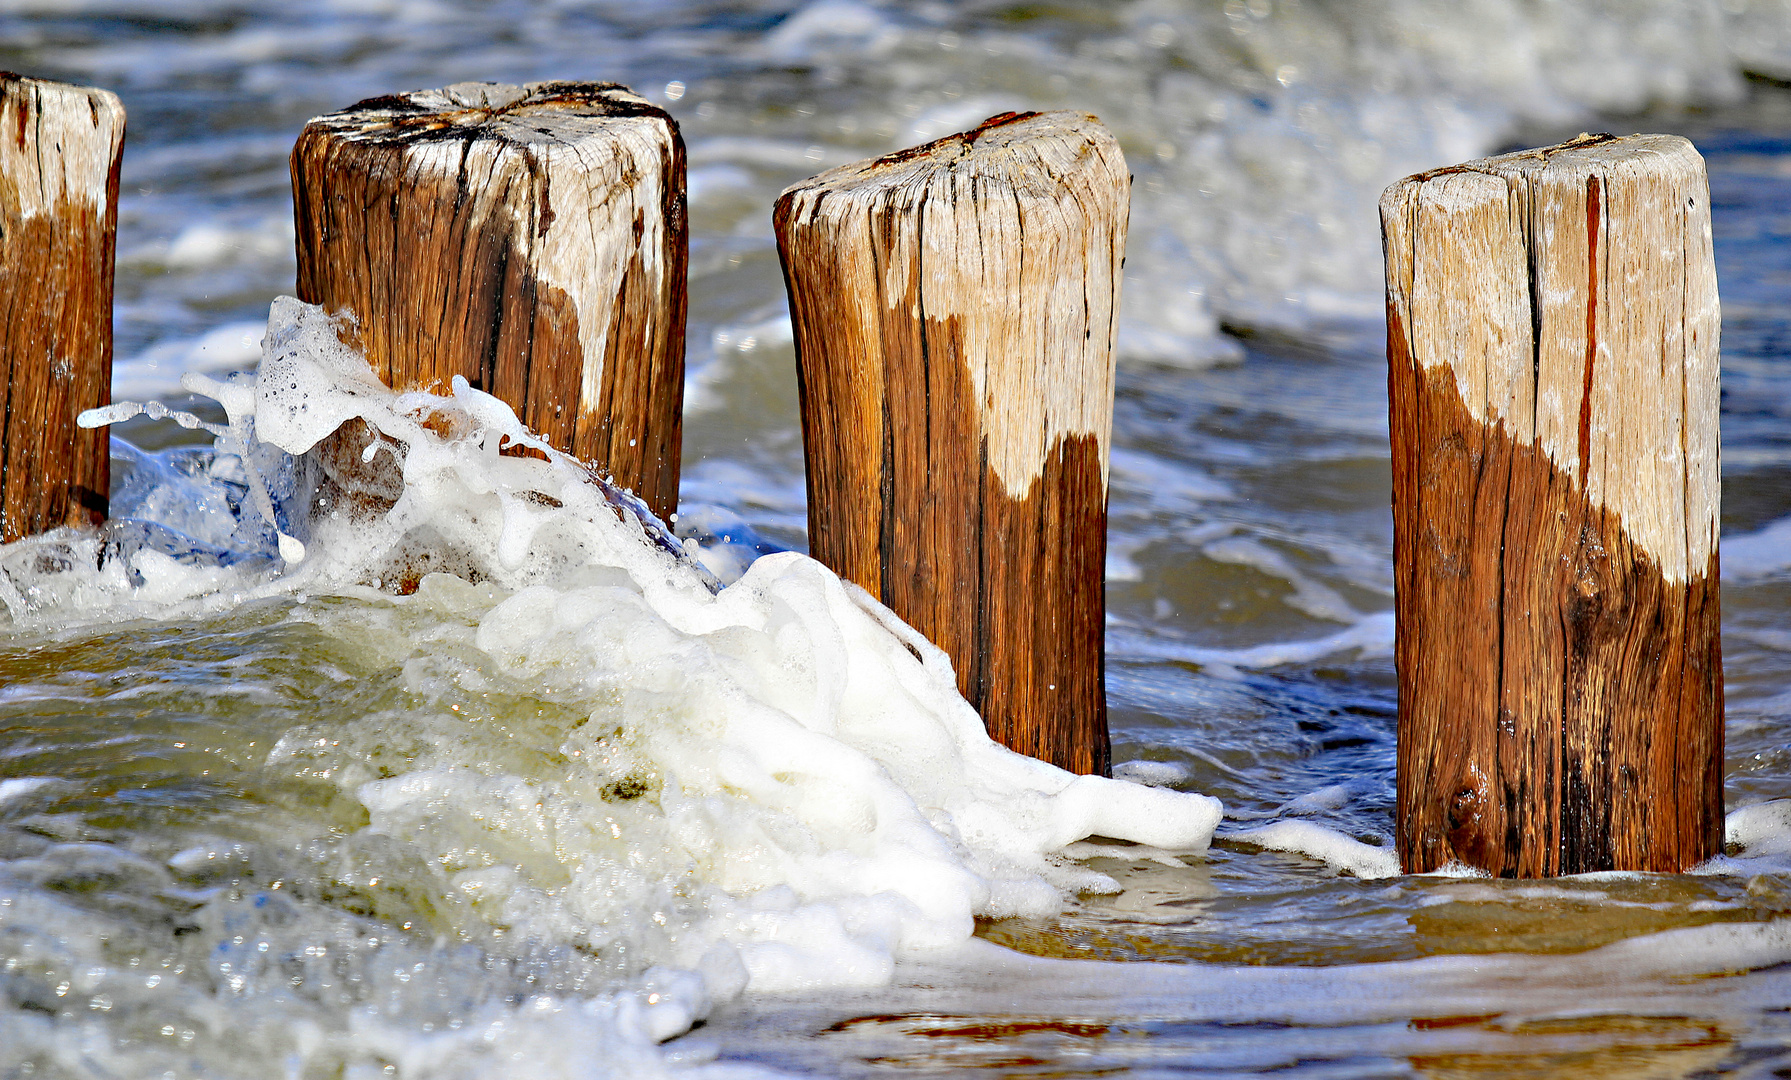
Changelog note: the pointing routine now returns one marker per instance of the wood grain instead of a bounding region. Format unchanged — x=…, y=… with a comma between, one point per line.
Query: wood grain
x=954, y=308
x=531, y=239
x=1552, y=329
x=59, y=152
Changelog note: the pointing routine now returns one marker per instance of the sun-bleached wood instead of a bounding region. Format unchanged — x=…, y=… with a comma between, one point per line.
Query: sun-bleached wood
x=59, y=153
x=954, y=309
x=532, y=239
x=1552, y=326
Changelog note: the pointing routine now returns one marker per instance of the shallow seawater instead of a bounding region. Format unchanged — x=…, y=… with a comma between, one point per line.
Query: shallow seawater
x=310, y=829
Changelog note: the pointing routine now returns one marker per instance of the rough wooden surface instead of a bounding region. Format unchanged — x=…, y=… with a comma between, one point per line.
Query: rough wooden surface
x=531, y=239
x=59, y=153
x=954, y=308
x=1552, y=330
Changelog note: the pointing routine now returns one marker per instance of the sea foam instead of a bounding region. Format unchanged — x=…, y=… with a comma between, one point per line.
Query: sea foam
x=769, y=786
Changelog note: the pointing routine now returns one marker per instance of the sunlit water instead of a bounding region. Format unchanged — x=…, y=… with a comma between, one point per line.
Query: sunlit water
x=298, y=827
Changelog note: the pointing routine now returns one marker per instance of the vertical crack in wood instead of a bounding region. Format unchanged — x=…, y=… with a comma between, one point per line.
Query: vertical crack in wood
x=1593, y=292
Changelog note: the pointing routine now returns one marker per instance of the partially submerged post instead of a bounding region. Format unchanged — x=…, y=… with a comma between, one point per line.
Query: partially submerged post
x=531, y=239
x=954, y=309
x=1552, y=348
x=59, y=154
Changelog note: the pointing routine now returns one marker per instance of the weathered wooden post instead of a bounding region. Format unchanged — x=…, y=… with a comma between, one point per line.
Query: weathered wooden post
x=954, y=309
x=1552, y=370
x=59, y=152
x=531, y=239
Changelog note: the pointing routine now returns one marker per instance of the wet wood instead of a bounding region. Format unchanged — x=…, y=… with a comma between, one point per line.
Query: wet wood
x=1552, y=350
x=954, y=309
x=59, y=152
x=529, y=239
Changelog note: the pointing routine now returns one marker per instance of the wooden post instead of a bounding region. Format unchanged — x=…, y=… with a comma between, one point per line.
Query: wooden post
x=59, y=154
x=531, y=239
x=954, y=308
x=1552, y=370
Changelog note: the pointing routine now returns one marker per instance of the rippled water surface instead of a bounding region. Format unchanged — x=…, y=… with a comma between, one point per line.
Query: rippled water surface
x=202, y=874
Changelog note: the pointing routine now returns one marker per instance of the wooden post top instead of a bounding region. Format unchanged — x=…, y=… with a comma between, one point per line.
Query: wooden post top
x=538, y=115
x=1618, y=230
x=86, y=140
x=1016, y=230
x=1585, y=153
x=478, y=137
x=1032, y=151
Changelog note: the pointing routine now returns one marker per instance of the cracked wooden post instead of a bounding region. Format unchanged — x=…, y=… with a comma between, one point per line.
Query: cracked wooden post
x=1552, y=371
x=59, y=152
x=531, y=239
x=954, y=308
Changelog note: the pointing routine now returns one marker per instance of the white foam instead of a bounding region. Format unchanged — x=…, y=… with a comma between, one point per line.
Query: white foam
x=1647, y=975
x=1345, y=853
x=806, y=799
x=1758, y=554
x=1760, y=829
x=1151, y=773
x=1756, y=839
x=1330, y=797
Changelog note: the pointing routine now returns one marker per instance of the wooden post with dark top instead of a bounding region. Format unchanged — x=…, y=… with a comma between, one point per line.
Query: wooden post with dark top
x=954, y=308
x=531, y=239
x=59, y=152
x=1552, y=370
